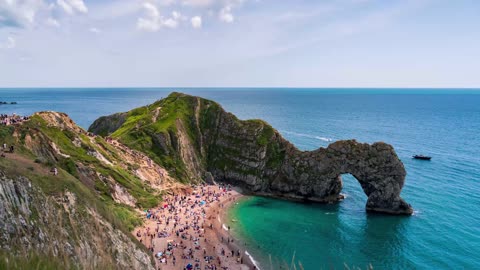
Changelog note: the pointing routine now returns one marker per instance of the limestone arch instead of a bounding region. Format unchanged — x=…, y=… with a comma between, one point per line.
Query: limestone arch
x=376, y=167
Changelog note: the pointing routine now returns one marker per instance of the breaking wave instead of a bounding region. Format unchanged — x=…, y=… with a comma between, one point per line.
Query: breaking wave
x=252, y=259
x=325, y=139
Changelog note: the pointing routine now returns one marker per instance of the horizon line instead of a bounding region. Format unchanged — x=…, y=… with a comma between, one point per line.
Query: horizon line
x=239, y=87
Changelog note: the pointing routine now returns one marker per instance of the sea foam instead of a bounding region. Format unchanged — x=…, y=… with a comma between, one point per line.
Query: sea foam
x=325, y=139
x=252, y=260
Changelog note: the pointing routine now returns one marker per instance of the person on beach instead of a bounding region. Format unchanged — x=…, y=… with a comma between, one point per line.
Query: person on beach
x=181, y=221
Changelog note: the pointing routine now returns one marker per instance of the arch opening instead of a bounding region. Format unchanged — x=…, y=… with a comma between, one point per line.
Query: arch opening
x=352, y=189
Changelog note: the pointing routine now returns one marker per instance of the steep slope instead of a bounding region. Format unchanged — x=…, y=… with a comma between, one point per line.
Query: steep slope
x=82, y=217
x=61, y=230
x=194, y=138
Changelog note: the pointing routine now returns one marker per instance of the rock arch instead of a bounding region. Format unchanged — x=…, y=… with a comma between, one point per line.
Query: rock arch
x=376, y=167
x=316, y=175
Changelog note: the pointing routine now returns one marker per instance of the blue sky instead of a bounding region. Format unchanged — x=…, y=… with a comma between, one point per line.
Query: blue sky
x=240, y=43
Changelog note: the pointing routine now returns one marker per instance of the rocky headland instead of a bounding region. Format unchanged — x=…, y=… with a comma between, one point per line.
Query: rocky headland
x=196, y=139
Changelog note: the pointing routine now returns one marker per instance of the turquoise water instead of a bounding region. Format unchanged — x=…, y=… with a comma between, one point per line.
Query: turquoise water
x=444, y=233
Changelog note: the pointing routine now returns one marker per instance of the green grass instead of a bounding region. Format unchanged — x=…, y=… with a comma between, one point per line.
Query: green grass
x=56, y=185
x=157, y=139
x=127, y=216
x=99, y=196
x=146, y=196
x=34, y=261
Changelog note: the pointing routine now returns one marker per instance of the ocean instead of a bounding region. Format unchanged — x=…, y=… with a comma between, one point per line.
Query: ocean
x=444, y=232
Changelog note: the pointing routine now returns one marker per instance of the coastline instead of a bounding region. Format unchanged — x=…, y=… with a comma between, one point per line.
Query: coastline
x=209, y=238
x=222, y=219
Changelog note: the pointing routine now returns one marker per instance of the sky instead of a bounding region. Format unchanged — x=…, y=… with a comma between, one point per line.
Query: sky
x=240, y=43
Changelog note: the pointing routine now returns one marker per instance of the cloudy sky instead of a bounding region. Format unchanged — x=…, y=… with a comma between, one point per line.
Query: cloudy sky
x=240, y=43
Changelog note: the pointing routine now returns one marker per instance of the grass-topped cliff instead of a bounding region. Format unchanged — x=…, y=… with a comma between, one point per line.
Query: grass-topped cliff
x=82, y=217
x=194, y=138
x=184, y=134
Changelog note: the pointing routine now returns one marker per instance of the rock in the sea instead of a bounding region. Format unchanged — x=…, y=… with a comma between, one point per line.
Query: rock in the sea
x=192, y=136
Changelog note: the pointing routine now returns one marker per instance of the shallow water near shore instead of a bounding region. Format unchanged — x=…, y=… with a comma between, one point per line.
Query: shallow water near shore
x=444, y=233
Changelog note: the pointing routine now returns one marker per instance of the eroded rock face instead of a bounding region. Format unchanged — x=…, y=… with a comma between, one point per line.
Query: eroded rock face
x=106, y=127
x=33, y=222
x=255, y=156
x=281, y=170
x=376, y=167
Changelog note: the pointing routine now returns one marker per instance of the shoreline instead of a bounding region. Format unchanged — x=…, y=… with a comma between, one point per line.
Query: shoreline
x=222, y=218
x=191, y=228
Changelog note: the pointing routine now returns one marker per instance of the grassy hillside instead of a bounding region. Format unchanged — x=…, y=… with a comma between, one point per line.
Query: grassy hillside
x=41, y=145
x=180, y=133
x=68, y=162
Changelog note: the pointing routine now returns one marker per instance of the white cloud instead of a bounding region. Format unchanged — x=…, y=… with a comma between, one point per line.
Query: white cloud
x=72, y=6
x=196, y=21
x=66, y=7
x=197, y=3
x=94, y=30
x=167, y=2
x=153, y=21
x=52, y=22
x=176, y=15
x=19, y=13
x=8, y=44
x=226, y=15
x=79, y=5
x=171, y=23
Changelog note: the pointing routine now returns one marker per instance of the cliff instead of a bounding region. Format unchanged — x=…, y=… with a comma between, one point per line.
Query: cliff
x=60, y=230
x=82, y=217
x=194, y=139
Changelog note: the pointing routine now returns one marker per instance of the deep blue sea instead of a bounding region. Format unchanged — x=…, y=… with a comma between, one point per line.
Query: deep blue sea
x=444, y=233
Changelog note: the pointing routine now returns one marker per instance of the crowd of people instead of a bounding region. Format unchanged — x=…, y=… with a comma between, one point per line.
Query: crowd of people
x=7, y=120
x=176, y=234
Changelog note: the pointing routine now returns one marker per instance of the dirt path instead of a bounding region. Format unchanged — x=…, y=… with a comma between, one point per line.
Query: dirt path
x=25, y=163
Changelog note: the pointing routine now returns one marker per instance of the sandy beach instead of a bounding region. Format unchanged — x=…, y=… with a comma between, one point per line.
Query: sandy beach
x=188, y=231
